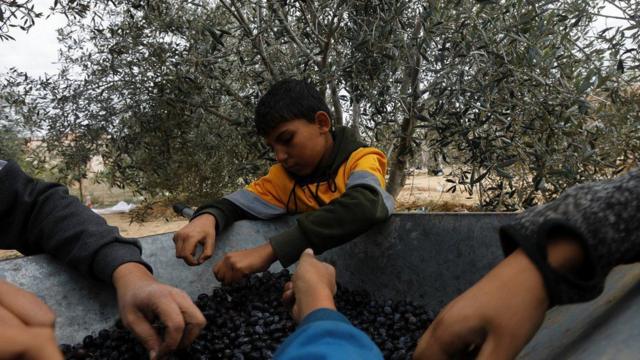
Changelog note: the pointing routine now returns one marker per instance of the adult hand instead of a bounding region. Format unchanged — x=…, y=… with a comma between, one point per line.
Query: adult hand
x=26, y=326
x=312, y=286
x=201, y=230
x=497, y=316
x=142, y=299
x=239, y=264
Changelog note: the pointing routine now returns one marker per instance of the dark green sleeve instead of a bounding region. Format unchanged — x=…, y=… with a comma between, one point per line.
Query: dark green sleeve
x=353, y=213
x=225, y=212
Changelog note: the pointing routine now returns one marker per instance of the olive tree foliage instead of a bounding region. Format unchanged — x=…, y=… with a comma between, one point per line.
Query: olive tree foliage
x=22, y=14
x=534, y=102
x=169, y=87
x=13, y=137
x=11, y=145
x=143, y=90
x=504, y=89
x=10, y=142
x=522, y=98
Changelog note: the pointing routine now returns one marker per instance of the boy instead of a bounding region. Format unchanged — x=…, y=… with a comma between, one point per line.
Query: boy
x=558, y=253
x=333, y=179
x=39, y=217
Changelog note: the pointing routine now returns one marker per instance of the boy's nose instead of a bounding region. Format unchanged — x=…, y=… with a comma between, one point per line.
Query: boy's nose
x=281, y=156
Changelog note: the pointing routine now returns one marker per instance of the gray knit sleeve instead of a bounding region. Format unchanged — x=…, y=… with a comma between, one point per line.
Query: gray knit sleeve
x=605, y=219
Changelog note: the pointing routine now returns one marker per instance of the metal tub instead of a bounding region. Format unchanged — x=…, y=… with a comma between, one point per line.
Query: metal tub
x=428, y=258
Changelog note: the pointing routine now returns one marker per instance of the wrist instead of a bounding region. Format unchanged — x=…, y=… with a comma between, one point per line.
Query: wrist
x=269, y=253
x=521, y=272
x=206, y=218
x=317, y=299
x=130, y=273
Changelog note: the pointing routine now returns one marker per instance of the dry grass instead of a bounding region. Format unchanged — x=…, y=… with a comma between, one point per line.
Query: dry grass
x=9, y=254
x=435, y=206
x=428, y=193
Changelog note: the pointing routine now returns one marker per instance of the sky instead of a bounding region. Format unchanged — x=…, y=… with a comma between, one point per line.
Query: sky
x=36, y=52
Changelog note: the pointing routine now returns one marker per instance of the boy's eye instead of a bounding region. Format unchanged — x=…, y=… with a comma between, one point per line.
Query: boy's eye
x=286, y=139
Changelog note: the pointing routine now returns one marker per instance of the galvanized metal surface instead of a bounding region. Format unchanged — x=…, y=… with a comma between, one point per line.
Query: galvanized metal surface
x=428, y=258
x=605, y=328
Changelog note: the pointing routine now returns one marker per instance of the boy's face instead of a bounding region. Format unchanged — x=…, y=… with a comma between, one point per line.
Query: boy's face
x=299, y=145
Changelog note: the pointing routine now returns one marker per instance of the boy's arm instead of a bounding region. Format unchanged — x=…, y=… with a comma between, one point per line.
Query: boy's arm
x=566, y=249
x=363, y=204
x=327, y=334
x=355, y=212
x=603, y=218
x=246, y=203
x=225, y=211
x=257, y=201
x=40, y=217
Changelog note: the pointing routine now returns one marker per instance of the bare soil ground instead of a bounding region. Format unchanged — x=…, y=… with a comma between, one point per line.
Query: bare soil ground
x=422, y=192
x=151, y=227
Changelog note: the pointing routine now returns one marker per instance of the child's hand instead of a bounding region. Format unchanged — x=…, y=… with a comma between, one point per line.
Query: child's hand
x=201, y=230
x=28, y=343
x=26, y=326
x=497, y=316
x=239, y=264
x=312, y=286
x=25, y=306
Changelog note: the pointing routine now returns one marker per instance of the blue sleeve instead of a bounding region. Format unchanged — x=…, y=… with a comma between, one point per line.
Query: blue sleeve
x=326, y=334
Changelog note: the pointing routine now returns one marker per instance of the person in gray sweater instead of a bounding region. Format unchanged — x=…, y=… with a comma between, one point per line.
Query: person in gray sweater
x=40, y=217
x=557, y=253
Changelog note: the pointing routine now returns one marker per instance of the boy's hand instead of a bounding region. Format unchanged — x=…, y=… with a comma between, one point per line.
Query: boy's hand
x=141, y=298
x=201, y=230
x=26, y=326
x=239, y=264
x=312, y=287
x=497, y=316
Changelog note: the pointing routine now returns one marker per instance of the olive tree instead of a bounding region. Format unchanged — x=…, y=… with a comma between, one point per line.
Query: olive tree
x=521, y=98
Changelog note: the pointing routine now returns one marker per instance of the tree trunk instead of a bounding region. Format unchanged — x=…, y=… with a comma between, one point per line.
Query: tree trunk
x=337, y=107
x=355, y=117
x=409, y=97
x=81, y=190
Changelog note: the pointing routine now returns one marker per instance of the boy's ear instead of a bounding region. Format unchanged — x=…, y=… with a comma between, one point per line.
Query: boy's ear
x=324, y=121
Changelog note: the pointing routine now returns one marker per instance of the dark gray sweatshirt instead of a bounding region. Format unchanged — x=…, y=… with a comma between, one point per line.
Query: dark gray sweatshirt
x=40, y=217
x=603, y=216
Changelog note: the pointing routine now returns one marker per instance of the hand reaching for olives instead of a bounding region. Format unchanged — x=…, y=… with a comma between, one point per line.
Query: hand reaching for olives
x=312, y=286
x=141, y=298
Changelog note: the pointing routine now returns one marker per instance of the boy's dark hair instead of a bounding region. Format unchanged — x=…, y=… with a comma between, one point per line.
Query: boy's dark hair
x=287, y=100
